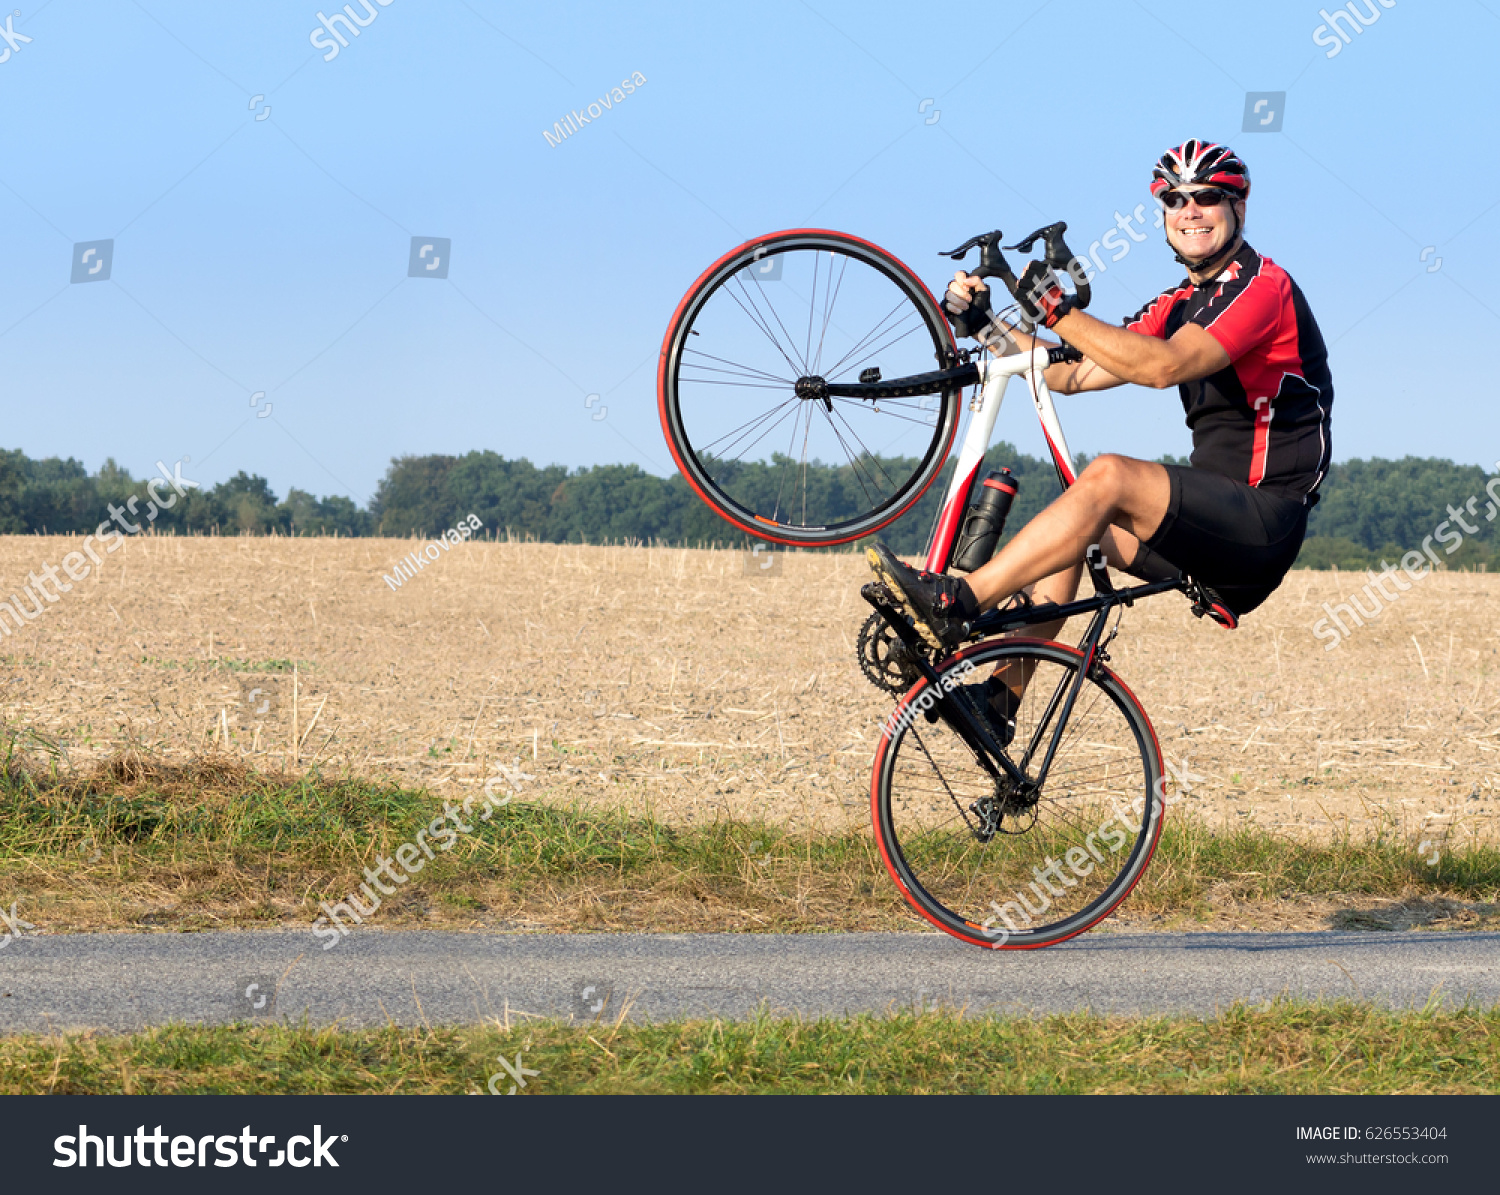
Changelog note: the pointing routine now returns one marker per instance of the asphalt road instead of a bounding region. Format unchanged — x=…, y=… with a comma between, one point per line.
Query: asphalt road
x=128, y=981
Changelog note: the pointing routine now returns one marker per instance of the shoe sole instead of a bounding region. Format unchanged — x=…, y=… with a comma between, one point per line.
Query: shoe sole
x=898, y=591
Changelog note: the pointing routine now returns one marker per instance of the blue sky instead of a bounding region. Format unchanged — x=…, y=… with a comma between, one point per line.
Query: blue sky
x=270, y=255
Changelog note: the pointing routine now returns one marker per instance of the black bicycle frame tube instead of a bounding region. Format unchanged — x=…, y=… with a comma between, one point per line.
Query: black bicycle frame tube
x=998, y=621
x=909, y=387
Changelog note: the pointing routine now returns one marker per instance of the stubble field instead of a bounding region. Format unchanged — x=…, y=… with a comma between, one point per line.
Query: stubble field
x=680, y=682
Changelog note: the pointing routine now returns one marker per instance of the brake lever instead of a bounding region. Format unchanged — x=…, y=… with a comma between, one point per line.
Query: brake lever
x=1058, y=256
x=959, y=253
x=992, y=263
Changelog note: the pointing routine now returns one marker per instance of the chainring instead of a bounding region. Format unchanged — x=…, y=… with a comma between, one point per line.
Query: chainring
x=883, y=657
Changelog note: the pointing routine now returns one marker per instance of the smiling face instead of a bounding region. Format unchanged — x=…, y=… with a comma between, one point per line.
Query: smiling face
x=1199, y=233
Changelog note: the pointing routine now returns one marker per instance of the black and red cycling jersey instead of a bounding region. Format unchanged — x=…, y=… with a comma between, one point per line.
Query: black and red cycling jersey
x=1264, y=418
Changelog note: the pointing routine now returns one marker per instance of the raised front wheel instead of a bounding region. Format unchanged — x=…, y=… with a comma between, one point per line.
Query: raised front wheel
x=742, y=388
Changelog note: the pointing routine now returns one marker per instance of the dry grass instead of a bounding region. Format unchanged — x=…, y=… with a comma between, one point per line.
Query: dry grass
x=145, y=845
x=671, y=681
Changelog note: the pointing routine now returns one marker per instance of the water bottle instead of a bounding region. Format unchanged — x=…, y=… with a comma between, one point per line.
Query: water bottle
x=985, y=521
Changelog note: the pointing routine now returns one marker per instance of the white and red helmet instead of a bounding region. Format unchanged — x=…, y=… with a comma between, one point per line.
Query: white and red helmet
x=1201, y=163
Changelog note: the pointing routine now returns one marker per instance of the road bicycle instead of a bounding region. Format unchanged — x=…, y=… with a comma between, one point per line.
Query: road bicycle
x=1012, y=844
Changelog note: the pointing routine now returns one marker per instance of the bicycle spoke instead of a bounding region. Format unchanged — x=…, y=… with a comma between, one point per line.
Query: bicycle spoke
x=873, y=352
x=753, y=312
x=794, y=412
x=812, y=306
x=770, y=306
x=739, y=371
x=858, y=403
x=828, y=305
x=712, y=447
x=866, y=452
x=736, y=385
x=874, y=333
x=776, y=510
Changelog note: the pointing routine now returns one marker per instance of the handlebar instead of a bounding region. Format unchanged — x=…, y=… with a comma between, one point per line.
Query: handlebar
x=992, y=263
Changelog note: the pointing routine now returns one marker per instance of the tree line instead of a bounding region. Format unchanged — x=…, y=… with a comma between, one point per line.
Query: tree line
x=1371, y=510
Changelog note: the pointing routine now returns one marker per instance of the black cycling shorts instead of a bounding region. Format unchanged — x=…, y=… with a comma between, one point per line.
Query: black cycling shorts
x=1235, y=538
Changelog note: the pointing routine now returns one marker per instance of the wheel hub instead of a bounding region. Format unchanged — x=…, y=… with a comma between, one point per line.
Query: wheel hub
x=814, y=389
x=1010, y=801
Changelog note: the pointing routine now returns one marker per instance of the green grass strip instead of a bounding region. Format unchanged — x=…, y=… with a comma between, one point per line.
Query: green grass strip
x=1284, y=1048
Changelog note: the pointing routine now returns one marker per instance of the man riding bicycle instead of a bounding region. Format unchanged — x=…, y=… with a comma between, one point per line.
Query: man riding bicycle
x=1240, y=343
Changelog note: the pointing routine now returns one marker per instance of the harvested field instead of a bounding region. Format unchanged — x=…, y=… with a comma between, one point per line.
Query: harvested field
x=677, y=681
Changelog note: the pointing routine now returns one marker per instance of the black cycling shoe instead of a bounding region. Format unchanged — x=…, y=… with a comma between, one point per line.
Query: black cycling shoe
x=987, y=709
x=991, y=706
x=941, y=606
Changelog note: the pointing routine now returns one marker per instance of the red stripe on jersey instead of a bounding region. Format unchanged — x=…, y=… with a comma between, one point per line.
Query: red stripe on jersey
x=1258, y=454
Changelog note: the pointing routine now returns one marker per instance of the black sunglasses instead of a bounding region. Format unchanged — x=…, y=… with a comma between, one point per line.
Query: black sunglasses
x=1208, y=197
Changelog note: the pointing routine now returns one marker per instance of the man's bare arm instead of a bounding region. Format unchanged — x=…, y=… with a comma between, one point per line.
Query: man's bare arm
x=1190, y=354
x=1069, y=377
x=1115, y=355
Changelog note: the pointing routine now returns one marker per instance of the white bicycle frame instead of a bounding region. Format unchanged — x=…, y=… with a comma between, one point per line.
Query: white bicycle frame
x=995, y=373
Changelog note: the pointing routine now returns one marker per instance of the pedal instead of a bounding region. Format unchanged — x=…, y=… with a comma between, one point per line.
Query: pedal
x=879, y=596
x=1208, y=604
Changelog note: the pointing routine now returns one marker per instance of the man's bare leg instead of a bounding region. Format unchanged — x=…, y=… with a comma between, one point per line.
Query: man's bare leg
x=1114, y=491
